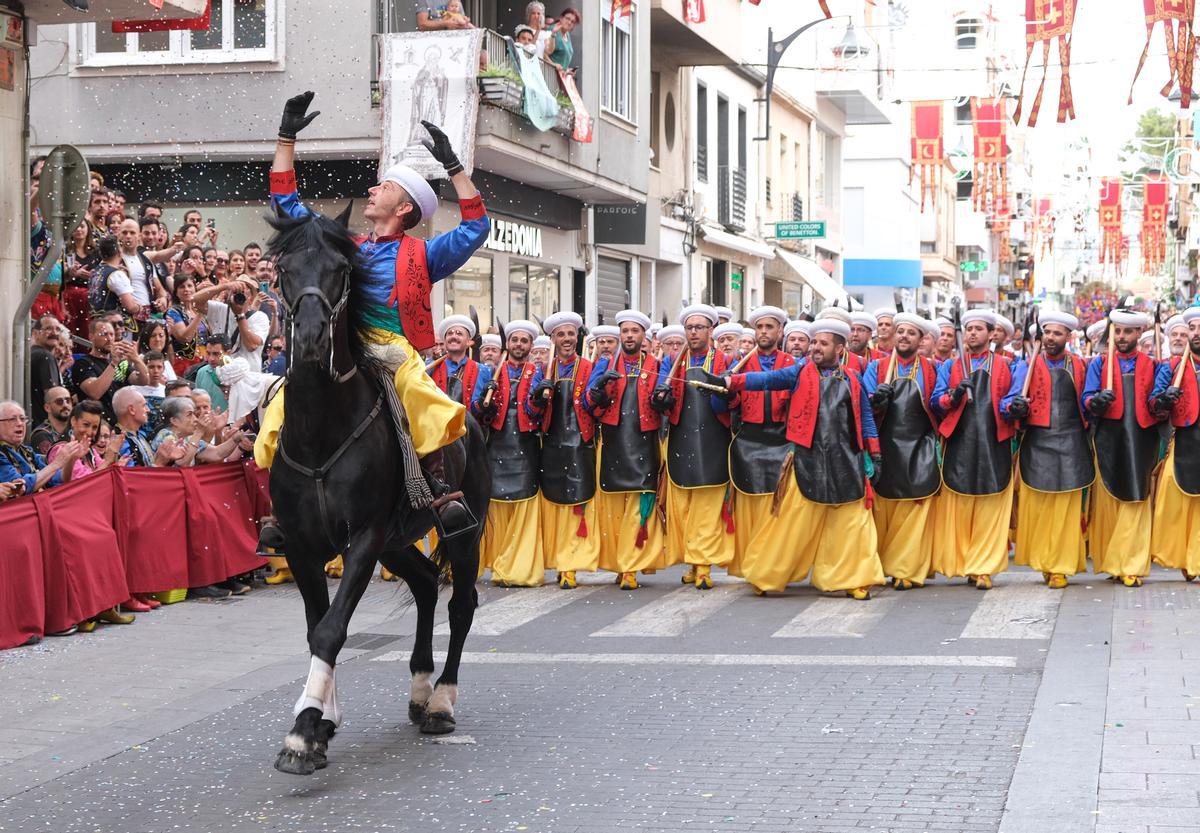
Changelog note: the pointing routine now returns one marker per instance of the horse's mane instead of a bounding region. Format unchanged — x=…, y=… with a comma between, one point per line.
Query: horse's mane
x=312, y=234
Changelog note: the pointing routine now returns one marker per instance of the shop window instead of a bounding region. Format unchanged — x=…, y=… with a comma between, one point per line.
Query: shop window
x=716, y=280
x=239, y=30
x=470, y=286
x=618, y=66
x=966, y=33
x=532, y=290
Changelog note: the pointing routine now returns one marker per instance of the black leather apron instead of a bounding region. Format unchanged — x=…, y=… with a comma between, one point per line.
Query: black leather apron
x=568, y=463
x=1058, y=458
x=628, y=455
x=698, y=446
x=975, y=462
x=454, y=384
x=831, y=470
x=756, y=455
x=1187, y=459
x=515, y=455
x=1127, y=452
x=909, y=446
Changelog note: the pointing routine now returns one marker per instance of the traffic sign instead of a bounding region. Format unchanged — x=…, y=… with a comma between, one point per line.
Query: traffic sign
x=973, y=266
x=800, y=230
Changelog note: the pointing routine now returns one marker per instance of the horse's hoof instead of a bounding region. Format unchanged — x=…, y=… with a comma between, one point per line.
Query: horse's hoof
x=437, y=723
x=295, y=763
x=319, y=757
x=416, y=712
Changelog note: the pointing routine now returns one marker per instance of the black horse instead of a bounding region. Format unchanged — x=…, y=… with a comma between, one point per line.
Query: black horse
x=337, y=487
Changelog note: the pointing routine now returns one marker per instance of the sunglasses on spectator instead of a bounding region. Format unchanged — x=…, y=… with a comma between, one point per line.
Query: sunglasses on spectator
x=275, y=347
x=60, y=400
x=222, y=260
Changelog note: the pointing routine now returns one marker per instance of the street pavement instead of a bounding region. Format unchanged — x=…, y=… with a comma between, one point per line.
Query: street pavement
x=1020, y=710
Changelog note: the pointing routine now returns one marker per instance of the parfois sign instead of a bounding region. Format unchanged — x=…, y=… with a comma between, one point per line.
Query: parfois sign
x=515, y=238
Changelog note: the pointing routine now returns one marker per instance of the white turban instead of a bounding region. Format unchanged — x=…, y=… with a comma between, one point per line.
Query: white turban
x=491, y=339
x=562, y=319
x=521, y=326
x=729, y=328
x=760, y=313
x=700, y=309
x=415, y=185
x=636, y=316
x=455, y=321
x=1063, y=319
x=831, y=325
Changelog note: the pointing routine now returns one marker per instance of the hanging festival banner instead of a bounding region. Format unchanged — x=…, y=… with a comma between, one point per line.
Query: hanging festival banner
x=693, y=11
x=1001, y=220
x=928, y=146
x=1046, y=20
x=991, y=151
x=1176, y=17
x=1041, y=227
x=1153, y=237
x=620, y=8
x=1110, y=221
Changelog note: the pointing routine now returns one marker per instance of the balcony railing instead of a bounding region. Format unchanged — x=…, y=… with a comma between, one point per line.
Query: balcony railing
x=500, y=82
x=702, y=162
x=731, y=198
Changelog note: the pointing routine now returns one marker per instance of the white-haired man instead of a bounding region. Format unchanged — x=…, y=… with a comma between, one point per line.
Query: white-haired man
x=490, y=348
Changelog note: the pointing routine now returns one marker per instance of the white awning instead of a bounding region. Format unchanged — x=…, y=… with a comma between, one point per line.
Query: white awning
x=813, y=275
x=738, y=243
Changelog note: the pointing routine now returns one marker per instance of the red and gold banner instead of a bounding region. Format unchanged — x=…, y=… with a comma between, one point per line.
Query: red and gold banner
x=620, y=8
x=1110, y=222
x=1041, y=227
x=1046, y=20
x=1001, y=219
x=1177, y=18
x=693, y=11
x=928, y=146
x=991, y=152
x=1153, y=238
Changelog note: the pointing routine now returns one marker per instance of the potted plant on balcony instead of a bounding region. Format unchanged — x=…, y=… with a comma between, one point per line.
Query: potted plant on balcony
x=566, y=114
x=502, y=87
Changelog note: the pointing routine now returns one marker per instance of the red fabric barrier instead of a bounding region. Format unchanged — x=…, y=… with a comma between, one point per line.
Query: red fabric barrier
x=22, y=597
x=152, y=506
x=75, y=550
x=222, y=537
x=83, y=571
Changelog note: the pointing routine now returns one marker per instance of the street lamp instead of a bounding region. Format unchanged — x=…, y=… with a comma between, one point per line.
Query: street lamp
x=850, y=48
x=775, y=52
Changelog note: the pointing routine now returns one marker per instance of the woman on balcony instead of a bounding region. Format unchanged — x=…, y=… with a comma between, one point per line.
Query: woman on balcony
x=562, y=51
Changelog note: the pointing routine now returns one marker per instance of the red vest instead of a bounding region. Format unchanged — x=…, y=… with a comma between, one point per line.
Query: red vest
x=470, y=374
x=504, y=390
x=1040, y=387
x=880, y=355
x=1143, y=386
x=928, y=379
x=752, y=400
x=411, y=293
x=676, y=378
x=855, y=362
x=1001, y=381
x=587, y=425
x=648, y=418
x=1187, y=409
x=806, y=402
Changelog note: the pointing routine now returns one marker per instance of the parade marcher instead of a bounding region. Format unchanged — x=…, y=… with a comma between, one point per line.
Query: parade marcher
x=1002, y=334
x=976, y=500
x=1055, y=458
x=1146, y=345
x=1178, y=335
x=1127, y=441
x=490, y=347
x=726, y=337
x=607, y=339
x=456, y=374
x=568, y=474
x=400, y=271
x=943, y=350
x=619, y=390
x=824, y=526
x=796, y=338
x=862, y=330
x=724, y=314
x=1175, y=541
x=758, y=449
x=1095, y=335
x=512, y=542
x=540, y=354
x=904, y=493
x=885, y=332
x=699, y=520
x=672, y=341
x=747, y=342
x=849, y=359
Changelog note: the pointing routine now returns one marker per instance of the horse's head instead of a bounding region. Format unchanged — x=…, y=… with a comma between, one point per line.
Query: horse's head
x=315, y=258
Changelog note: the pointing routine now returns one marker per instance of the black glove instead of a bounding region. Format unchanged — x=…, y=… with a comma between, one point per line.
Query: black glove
x=662, y=400
x=599, y=389
x=1170, y=397
x=720, y=382
x=882, y=395
x=1018, y=408
x=542, y=393
x=441, y=150
x=960, y=392
x=1101, y=402
x=296, y=116
x=877, y=462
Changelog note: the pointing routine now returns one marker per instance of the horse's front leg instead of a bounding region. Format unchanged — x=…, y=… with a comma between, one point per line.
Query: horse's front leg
x=464, y=564
x=421, y=576
x=317, y=711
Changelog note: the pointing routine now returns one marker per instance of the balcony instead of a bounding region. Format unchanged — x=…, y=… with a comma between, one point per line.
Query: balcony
x=715, y=41
x=50, y=12
x=731, y=198
x=500, y=83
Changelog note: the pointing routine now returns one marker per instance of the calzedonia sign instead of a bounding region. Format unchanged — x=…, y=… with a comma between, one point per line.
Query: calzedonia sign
x=515, y=238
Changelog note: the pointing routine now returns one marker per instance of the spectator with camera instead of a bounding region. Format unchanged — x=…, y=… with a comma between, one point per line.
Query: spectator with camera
x=232, y=310
x=109, y=366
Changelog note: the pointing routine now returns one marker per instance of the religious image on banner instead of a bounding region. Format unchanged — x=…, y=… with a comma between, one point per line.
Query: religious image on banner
x=1153, y=238
x=1046, y=20
x=990, y=119
x=429, y=76
x=928, y=146
x=1110, y=222
x=1177, y=17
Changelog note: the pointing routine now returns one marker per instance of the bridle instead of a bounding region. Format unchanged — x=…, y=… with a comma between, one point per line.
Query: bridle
x=334, y=311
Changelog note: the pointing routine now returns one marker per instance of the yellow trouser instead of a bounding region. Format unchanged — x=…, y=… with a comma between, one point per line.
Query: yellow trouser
x=751, y=520
x=434, y=419
x=695, y=529
x=619, y=518
x=974, y=533
x=905, y=530
x=1175, y=541
x=1050, y=531
x=563, y=547
x=512, y=543
x=1120, y=533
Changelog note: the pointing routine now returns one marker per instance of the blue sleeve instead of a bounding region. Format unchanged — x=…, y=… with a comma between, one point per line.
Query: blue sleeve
x=290, y=205
x=664, y=370
x=598, y=370
x=446, y=253
x=1020, y=369
x=538, y=376
x=481, y=382
x=870, y=377
x=782, y=379
x=1162, y=378
x=870, y=432
x=1091, y=387
x=941, y=388
x=9, y=473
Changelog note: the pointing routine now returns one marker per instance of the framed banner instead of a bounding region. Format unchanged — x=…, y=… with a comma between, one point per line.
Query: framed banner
x=428, y=76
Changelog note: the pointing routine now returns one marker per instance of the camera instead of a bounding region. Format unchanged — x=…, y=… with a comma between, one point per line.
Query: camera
x=239, y=298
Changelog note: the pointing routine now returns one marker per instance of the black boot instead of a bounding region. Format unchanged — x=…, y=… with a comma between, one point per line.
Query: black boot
x=453, y=516
x=270, y=536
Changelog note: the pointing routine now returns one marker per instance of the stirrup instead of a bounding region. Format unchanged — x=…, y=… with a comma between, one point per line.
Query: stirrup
x=467, y=524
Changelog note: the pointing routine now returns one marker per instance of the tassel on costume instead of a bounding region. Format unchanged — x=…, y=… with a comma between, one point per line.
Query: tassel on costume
x=582, y=530
x=781, y=485
x=646, y=505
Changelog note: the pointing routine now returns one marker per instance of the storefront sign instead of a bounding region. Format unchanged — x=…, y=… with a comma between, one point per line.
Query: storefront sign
x=515, y=238
x=800, y=230
x=621, y=223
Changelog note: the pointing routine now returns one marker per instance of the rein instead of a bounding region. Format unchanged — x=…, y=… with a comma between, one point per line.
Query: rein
x=290, y=306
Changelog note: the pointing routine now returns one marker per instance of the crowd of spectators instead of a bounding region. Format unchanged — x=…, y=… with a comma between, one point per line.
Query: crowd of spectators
x=132, y=337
